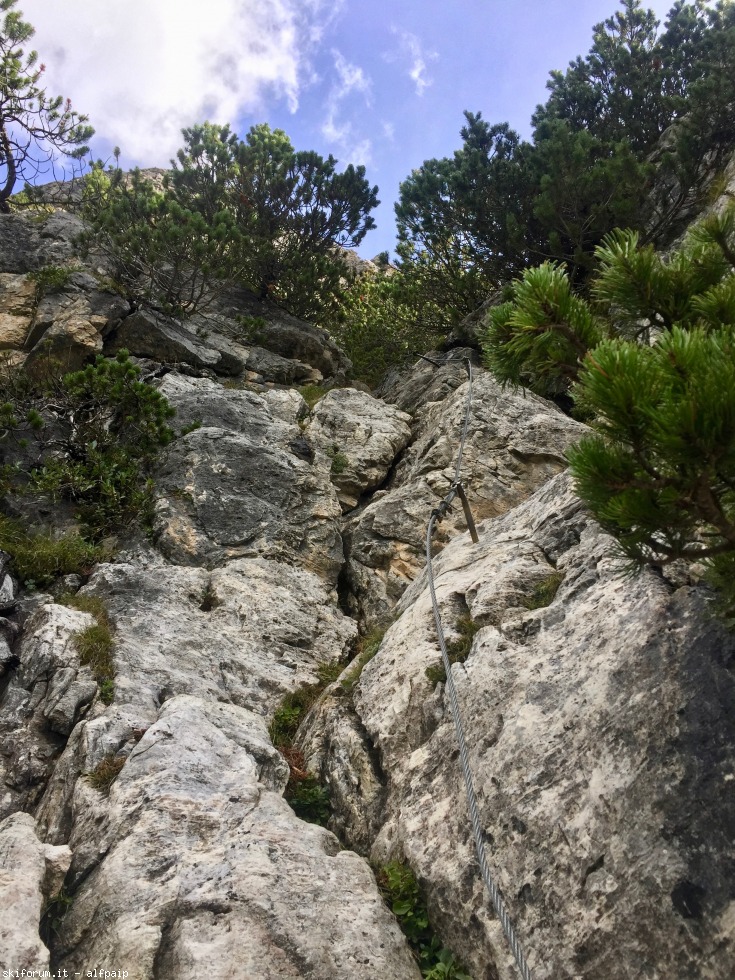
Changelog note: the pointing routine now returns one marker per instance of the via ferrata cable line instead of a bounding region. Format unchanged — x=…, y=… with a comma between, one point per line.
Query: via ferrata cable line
x=437, y=514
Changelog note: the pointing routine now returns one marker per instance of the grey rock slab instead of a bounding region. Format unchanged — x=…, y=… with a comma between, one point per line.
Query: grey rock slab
x=281, y=333
x=246, y=634
x=224, y=494
x=203, y=869
x=30, y=873
x=515, y=443
x=282, y=370
x=146, y=334
x=600, y=731
x=362, y=435
x=30, y=242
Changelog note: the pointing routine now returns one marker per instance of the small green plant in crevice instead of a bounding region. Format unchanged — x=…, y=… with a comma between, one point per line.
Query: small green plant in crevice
x=367, y=646
x=191, y=427
x=53, y=914
x=312, y=394
x=105, y=773
x=295, y=705
x=339, y=461
x=51, y=279
x=458, y=650
x=544, y=591
x=400, y=889
x=39, y=559
x=304, y=793
x=307, y=797
x=94, y=644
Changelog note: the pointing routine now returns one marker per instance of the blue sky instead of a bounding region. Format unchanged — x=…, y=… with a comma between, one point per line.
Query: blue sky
x=380, y=84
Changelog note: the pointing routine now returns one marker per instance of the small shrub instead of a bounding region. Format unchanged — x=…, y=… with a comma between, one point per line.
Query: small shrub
x=544, y=591
x=458, y=650
x=400, y=889
x=108, y=427
x=295, y=705
x=253, y=328
x=312, y=394
x=51, y=279
x=339, y=461
x=39, y=559
x=105, y=773
x=192, y=427
x=307, y=797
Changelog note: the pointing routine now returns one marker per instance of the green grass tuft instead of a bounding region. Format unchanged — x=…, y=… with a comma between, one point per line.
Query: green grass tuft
x=544, y=591
x=39, y=559
x=458, y=650
x=105, y=773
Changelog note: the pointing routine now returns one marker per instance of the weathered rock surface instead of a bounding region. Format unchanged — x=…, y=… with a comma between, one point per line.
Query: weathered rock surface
x=362, y=435
x=515, y=442
x=47, y=693
x=245, y=634
x=246, y=484
x=601, y=731
x=30, y=872
x=275, y=330
x=227, y=881
x=70, y=326
x=148, y=335
x=17, y=302
x=27, y=244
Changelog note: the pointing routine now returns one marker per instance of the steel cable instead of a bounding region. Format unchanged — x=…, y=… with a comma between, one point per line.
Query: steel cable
x=495, y=896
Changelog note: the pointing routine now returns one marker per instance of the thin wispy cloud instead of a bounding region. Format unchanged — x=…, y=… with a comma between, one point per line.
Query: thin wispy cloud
x=415, y=60
x=142, y=71
x=337, y=128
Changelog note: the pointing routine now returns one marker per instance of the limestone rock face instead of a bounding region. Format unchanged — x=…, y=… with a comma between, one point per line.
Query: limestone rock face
x=277, y=331
x=70, y=326
x=246, y=484
x=515, y=442
x=227, y=881
x=147, y=335
x=600, y=730
x=27, y=245
x=29, y=873
x=47, y=694
x=17, y=301
x=362, y=436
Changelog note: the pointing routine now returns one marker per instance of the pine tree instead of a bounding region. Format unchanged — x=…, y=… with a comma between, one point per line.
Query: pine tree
x=292, y=209
x=34, y=127
x=654, y=365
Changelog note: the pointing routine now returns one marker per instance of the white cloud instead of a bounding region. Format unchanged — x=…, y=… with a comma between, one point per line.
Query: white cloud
x=335, y=129
x=417, y=60
x=143, y=70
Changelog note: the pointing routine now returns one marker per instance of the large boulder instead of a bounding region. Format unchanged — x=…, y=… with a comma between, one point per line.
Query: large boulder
x=227, y=881
x=273, y=329
x=164, y=339
x=362, y=435
x=246, y=484
x=600, y=726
